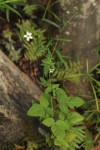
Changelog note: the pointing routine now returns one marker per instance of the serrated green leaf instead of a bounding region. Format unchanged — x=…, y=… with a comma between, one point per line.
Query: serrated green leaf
x=70, y=136
x=61, y=95
x=62, y=124
x=48, y=89
x=43, y=82
x=75, y=118
x=74, y=102
x=44, y=99
x=55, y=86
x=58, y=132
x=63, y=107
x=48, y=111
x=63, y=40
x=61, y=116
x=36, y=110
x=57, y=142
x=52, y=88
x=48, y=122
x=61, y=143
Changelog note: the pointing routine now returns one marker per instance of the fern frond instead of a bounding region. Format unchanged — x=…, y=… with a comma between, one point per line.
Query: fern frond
x=34, y=140
x=75, y=138
x=69, y=72
x=31, y=145
x=36, y=47
x=33, y=51
x=48, y=62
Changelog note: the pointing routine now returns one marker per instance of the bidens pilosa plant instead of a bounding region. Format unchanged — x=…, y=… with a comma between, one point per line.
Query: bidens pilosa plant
x=56, y=113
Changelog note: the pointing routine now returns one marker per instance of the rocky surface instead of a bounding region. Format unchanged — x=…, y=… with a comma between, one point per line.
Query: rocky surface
x=17, y=91
x=83, y=29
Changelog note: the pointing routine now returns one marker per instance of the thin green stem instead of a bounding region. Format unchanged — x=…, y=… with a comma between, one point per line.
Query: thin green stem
x=63, y=29
x=94, y=80
x=95, y=67
x=46, y=9
x=96, y=99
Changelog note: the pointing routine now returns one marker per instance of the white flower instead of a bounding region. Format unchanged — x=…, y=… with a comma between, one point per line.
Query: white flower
x=89, y=42
x=94, y=4
x=28, y=36
x=67, y=12
x=67, y=33
x=51, y=70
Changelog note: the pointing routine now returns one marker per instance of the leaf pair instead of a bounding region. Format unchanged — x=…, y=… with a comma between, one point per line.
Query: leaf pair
x=41, y=109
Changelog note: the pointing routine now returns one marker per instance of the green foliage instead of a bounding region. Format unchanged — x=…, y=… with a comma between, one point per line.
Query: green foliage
x=48, y=63
x=77, y=102
x=93, y=82
x=29, y=10
x=60, y=123
x=7, y=6
x=98, y=48
x=48, y=122
x=31, y=145
x=92, y=115
x=74, y=138
x=51, y=23
x=34, y=140
x=49, y=10
x=53, y=109
x=88, y=143
x=92, y=118
x=96, y=71
x=36, y=47
x=7, y=1
x=71, y=72
x=9, y=44
x=63, y=68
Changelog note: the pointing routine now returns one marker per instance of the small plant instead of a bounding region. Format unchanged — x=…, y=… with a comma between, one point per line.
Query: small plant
x=63, y=68
x=89, y=76
x=61, y=125
x=92, y=107
x=9, y=44
x=33, y=40
x=56, y=112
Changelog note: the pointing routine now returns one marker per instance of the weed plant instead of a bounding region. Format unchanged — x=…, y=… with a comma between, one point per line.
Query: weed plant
x=62, y=126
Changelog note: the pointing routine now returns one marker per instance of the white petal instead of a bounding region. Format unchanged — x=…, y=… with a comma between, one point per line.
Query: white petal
x=30, y=37
x=27, y=33
x=25, y=36
x=30, y=34
x=67, y=12
x=67, y=33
